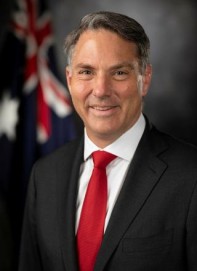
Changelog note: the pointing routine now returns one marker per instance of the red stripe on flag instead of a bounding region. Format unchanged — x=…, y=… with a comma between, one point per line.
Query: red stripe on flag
x=31, y=66
x=43, y=32
x=58, y=93
x=43, y=112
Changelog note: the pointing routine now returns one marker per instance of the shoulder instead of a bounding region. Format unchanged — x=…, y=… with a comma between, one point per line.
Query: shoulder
x=173, y=141
x=65, y=154
x=176, y=150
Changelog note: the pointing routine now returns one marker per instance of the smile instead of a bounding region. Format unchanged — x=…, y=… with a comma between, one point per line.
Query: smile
x=102, y=108
x=103, y=111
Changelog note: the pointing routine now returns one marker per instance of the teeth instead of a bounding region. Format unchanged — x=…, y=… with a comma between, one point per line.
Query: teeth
x=102, y=108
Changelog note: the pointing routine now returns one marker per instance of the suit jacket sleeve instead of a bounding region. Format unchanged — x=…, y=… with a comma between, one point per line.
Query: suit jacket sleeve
x=191, y=233
x=29, y=254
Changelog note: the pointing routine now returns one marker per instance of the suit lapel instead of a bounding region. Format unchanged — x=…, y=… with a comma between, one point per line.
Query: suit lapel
x=144, y=173
x=67, y=186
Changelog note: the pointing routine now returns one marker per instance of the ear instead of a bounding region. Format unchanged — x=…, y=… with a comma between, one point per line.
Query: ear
x=68, y=74
x=146, y=79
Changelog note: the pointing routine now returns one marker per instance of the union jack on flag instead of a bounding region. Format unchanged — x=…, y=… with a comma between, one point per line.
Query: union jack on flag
x=33, y=25
x=35, y=109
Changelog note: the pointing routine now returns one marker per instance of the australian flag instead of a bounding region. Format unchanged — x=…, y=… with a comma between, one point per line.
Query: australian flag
x=35, y=109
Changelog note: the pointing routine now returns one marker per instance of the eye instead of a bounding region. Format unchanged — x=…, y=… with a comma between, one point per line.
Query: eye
x=120, y=74
x=85, y=74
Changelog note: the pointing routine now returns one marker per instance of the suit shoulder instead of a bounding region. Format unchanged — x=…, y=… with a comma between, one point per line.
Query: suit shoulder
x=65, y=153
x=177, y=146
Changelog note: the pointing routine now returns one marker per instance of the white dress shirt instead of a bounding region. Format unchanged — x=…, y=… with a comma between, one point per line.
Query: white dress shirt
x=124, y=148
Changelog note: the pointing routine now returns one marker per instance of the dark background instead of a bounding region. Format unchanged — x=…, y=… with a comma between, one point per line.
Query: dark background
x=171, y=103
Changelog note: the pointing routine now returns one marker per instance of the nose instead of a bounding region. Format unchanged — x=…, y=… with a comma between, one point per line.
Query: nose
x=102, y=86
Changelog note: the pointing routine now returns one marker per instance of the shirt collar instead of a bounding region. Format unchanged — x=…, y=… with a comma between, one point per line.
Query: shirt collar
x=124, y=147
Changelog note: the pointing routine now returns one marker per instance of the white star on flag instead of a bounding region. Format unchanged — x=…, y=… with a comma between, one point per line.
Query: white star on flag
x=8, y=116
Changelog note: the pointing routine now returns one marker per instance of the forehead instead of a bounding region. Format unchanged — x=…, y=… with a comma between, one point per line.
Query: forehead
x=103, y=43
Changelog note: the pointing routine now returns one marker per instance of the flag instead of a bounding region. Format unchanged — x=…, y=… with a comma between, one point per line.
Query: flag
x=35, y=109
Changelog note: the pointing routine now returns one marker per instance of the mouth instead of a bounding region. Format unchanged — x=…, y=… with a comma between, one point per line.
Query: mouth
x=102, y=108
x=104, y=111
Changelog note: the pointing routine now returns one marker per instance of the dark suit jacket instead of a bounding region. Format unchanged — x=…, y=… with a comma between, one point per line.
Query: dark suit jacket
x=153, y=225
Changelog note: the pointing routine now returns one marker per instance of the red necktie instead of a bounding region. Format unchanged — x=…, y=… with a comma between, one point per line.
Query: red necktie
x=91, y=224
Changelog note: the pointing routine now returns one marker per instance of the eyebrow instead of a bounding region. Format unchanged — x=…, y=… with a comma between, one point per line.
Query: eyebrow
x=124, y=65
x=84, y=65
x=114, y=67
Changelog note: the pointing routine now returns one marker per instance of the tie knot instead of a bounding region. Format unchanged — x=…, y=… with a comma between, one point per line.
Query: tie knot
x=102, y=158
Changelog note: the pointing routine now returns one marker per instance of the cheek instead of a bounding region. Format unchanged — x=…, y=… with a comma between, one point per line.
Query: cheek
x=130, y=92
x=131, y=99
x=79, y=94
x=77, y=90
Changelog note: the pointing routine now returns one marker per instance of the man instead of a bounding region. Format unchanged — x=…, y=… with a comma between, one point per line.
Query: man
x=150, y=220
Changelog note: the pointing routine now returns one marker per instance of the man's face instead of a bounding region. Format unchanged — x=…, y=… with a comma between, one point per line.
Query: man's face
x=105, y=84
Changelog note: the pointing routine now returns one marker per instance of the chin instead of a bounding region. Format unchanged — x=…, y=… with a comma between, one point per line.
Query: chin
x=106, y=134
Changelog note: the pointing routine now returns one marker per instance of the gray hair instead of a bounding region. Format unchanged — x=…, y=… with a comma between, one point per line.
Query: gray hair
x=126, y=27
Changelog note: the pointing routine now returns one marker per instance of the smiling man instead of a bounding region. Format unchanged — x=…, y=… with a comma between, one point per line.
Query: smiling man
x=124, y=196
